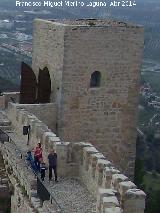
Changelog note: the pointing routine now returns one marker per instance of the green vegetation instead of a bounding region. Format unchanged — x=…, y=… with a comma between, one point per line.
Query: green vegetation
x=139, y=172
x=147, y=167
x=145, y=115
x=151, y=181
x=7, y=85
x=10, y=70
x=152, y=187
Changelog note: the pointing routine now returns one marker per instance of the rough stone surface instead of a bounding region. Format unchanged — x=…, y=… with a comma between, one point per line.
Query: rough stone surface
x=89, y=167
x=104, y=116
x=72, y=196
x=113, y=210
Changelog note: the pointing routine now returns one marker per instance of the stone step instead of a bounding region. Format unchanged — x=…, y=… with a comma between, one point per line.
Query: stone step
x=5, y=128
x=5, y=122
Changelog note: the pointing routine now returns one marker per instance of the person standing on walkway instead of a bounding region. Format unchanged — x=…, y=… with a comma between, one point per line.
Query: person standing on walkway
x=43, y=170
x=52, y=160
x=37, y=155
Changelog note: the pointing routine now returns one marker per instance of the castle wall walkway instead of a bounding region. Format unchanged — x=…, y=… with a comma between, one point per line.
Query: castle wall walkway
x=97, y=177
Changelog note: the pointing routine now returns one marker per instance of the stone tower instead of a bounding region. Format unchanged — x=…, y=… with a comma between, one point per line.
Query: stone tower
x=94, y=67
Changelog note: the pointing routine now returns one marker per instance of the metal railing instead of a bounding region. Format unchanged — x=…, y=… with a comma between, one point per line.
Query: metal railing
x=45, y=194
x=42, y=191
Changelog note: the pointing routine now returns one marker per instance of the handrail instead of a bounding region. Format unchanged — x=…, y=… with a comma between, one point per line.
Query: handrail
x=20, y=154
x=48, y=192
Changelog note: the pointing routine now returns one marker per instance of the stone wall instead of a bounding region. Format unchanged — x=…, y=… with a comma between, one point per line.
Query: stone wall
x=8, y=95
x=105, y=116
x=44, y=112
x=113, y=190
x=5, y=187
x=2, y=102
x=40, y=133
x=48, y=45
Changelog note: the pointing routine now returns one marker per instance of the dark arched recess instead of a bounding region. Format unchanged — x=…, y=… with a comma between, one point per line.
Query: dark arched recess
x=44, y=86
x=95, y=79
x=28, y=85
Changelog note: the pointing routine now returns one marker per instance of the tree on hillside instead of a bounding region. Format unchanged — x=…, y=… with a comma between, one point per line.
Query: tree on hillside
x=139, y=173
x=153, y=202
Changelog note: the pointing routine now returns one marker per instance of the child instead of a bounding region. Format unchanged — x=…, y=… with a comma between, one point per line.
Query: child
x=30, y=160
x=43, y=170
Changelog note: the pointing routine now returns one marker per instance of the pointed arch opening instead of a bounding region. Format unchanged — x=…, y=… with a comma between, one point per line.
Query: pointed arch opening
x=28, y=85
x=44, y=86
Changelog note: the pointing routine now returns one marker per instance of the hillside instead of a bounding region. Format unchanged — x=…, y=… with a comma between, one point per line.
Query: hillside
x=6, y=85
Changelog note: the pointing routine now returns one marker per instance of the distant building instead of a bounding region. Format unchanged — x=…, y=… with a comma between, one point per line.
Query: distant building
x=154, y=104
x=6, y=24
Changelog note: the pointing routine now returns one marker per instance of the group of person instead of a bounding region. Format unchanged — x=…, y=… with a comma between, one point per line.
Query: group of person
x=38, y=165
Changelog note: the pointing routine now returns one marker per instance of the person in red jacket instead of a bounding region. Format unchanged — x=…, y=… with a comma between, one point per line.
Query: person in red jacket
x=37, y=155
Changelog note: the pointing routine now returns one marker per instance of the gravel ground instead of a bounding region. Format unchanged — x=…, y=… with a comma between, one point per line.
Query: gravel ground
x=72, y=196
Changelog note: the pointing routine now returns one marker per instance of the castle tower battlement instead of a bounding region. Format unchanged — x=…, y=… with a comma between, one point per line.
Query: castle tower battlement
x=94, y=67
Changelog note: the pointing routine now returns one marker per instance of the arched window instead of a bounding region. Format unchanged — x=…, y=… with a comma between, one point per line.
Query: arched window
x=95, y=79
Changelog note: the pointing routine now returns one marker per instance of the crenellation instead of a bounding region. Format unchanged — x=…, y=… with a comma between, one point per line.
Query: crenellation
x=87, y=151
x=90, y=165
x=93, y=162
x=109, y=202
x=100, y=167
x=103, y=192
x=124, y=186
x=116, y=179
x=134, y=201
x=107, y=176
x=77, y=151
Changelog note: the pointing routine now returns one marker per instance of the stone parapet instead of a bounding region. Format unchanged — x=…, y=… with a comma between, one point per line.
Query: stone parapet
x=134, y=201
x=11, y=95
x=113, y=190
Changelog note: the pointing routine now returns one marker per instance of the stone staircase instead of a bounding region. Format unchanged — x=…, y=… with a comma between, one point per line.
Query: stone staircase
x=5, y=124
x=5, y=194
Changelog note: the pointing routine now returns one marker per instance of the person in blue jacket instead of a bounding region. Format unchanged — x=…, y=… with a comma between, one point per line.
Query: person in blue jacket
x=30, y=161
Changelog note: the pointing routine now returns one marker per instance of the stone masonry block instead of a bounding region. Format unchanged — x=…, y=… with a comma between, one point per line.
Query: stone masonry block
x=116, y=179
x=107, y=176
x=101, y=164
x=113, y=210
x=77, y=150
x=93, y=162
x=124, y=186
x=109, y=202
x=134, y=201
x=87, y=151
x=101, y=193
